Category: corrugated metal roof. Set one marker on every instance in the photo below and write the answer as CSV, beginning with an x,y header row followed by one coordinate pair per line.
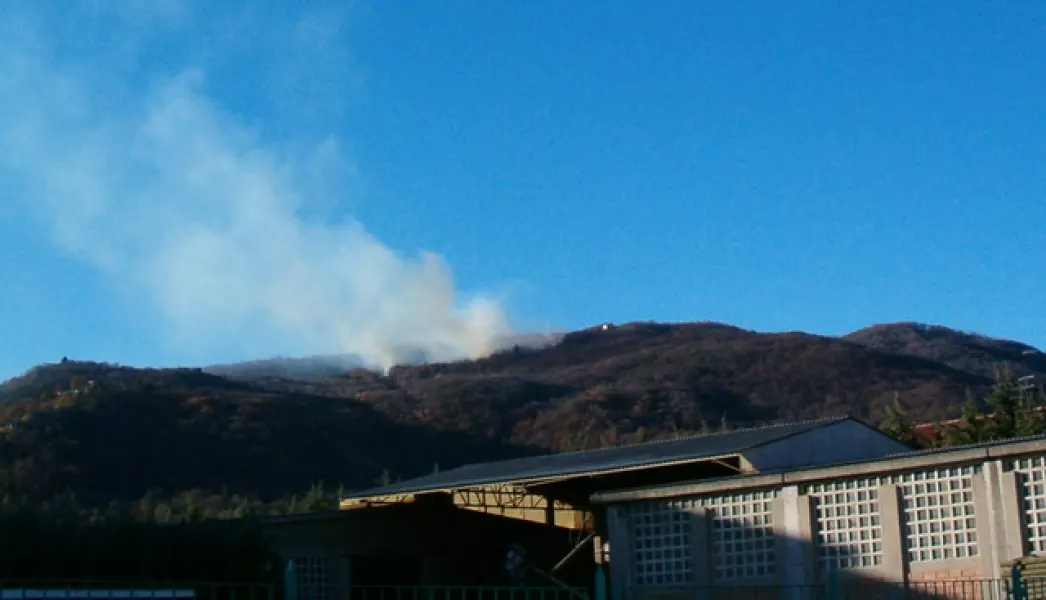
x,y
604,460
810,473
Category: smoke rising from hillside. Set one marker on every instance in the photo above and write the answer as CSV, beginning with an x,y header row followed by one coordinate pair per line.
x,y
138,170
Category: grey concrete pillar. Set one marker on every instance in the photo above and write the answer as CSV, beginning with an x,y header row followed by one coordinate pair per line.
x,y
290,581
809,534
340,577
1014,520
891,518
600,558
795,539
701,552
985,501
619,529
999,510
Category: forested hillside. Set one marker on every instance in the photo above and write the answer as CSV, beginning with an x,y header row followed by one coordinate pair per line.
x,y
99,438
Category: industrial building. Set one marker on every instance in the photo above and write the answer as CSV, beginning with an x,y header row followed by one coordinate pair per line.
x,y
787,506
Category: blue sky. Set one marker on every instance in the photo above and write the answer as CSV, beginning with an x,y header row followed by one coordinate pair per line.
x,y
184,182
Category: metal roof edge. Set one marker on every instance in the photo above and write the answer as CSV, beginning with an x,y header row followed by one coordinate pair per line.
x,y
536,480
817,424
401,489
890,462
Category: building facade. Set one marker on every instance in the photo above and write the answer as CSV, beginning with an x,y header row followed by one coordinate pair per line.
x,y
922,519
794,506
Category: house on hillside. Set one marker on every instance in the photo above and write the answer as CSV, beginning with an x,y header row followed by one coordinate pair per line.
x,y
784,506
926,433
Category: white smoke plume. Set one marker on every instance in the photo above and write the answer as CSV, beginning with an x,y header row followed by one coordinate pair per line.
x,y
145,175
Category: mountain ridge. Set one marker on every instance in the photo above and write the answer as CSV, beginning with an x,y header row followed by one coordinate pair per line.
x,y
112,432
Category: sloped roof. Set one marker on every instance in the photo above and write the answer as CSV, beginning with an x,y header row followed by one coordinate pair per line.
x,y
897,462
601,461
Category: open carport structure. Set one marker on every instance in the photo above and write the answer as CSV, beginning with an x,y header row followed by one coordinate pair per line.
x,y
457,527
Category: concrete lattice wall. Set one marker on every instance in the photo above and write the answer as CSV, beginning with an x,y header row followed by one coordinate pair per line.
x,y
944,522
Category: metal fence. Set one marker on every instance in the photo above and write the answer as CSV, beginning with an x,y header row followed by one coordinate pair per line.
x,y
1033,588
128,590
1020,588
863,589
457,592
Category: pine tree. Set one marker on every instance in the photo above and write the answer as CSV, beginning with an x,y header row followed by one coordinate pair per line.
x,y
315,499
193,513
896,423
1003,403
970,428
938,439
242,510
1031,414
385,478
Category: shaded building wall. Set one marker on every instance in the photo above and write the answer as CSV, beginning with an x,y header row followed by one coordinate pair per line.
x,y
845,441
412,545
938,529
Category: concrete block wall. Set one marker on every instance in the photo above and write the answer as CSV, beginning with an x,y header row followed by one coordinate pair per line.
x,y
943,529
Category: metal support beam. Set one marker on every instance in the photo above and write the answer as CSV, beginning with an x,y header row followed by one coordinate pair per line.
x,y
506,500
584,542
